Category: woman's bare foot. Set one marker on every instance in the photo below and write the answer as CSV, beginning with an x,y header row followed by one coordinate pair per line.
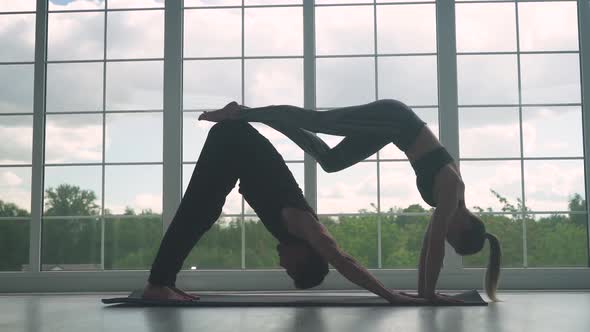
x,y
154,292
229,112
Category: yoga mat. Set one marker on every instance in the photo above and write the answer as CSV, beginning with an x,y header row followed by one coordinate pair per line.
x,y
471,298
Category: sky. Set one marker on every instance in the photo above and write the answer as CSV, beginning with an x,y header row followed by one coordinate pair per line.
x,y
485,132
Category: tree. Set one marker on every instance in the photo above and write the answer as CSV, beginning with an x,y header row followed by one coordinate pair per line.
x,y
70,200
578,204
12,210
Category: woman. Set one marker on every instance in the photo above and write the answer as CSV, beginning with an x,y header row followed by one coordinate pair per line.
x,y
366,129
305,246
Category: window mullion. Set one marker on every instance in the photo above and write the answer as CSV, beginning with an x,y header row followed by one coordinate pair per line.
x,y
309,94
584,37
38,137
172,117
448,113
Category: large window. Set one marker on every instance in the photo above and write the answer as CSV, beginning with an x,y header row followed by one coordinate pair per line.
x,y
520,131
94,93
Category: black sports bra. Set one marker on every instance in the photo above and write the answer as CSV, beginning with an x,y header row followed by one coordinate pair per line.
x,y
426,169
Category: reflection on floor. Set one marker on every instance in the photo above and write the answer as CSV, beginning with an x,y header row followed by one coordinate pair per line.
x,y
519,311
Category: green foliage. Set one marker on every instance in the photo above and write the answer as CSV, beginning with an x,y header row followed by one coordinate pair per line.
x,y
131,240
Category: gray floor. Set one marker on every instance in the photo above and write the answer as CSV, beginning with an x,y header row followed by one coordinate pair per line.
x,y
519,311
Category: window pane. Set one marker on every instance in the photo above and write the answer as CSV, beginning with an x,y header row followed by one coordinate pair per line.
x,y
485,27
289,150
345,81
16,139
552,131
508,229
211,84
75,4
190,3
219,248
398,187
16,89
537,35
134,137
487,79
131,242
71,245
491,132
488,183
401,239
75,36
212,32
17,37
558,240
550,184
406,29
550,78
273,31
298,173
73,138
135,3
344,30
411,79
15,191
72,190
135,34
134,85
14,243
428,115
233,201
272,2
17,5
75,87
268,82
348,191
322,2
356,235
133,188
261,246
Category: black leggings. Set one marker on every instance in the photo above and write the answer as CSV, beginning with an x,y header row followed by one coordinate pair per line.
x,y
233,150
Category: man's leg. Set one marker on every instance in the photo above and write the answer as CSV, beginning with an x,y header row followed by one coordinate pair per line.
x,y
213,178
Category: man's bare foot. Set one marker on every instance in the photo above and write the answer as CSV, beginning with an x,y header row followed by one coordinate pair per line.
x,y
229,112
154,292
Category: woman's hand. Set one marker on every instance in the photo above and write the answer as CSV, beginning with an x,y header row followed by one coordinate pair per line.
x,y
437,298
228,112
402,298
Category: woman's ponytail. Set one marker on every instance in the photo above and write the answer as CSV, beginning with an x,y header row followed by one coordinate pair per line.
x,y
493,269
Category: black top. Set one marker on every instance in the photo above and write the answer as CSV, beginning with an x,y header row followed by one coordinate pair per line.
x,y
426,169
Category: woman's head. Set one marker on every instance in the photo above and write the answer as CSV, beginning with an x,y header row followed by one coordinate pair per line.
x,y
303,264
467,236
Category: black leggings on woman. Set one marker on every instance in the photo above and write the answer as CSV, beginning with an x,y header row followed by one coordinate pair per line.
x,y
367,128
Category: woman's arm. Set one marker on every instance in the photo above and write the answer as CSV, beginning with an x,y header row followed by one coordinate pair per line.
x,y
422,263
447,203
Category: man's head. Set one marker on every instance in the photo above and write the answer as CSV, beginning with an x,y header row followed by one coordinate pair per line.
x,y
303,264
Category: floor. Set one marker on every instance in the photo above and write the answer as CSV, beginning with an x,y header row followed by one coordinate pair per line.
x,y
519,311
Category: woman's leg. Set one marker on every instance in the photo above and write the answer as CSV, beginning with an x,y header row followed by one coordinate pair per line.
x,y
351,150
384,118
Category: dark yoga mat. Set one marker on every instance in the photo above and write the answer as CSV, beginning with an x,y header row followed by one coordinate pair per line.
x,y
471,298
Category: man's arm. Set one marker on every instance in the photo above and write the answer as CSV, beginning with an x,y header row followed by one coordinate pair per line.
x,y
308,228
